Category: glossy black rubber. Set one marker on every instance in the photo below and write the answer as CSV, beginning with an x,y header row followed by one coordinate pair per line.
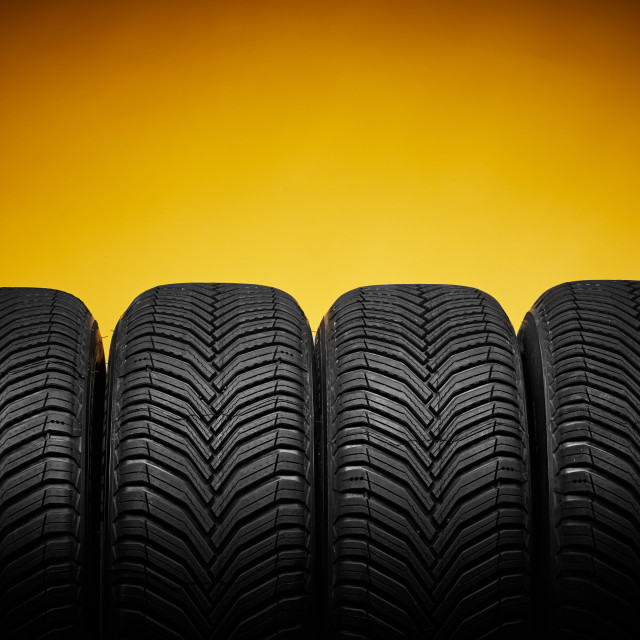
x,y
52,377
209,466
423,467
581,354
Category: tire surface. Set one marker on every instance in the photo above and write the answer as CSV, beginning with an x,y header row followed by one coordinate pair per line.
x,y
209,503
581,352
51,390
422,466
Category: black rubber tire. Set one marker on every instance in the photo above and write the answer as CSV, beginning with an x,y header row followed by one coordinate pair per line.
x,y
581,352
209,503
52,378
422,461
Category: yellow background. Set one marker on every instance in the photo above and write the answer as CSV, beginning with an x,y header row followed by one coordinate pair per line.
x,y
318,146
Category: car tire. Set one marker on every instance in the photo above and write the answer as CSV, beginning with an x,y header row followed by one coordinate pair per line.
x,y
422,466
581,353
209,513
52,377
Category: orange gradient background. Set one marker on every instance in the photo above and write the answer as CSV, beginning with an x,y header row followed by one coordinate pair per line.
x,y
318,146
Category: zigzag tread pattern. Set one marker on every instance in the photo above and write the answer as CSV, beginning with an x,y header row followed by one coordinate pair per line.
x,y
589,337
421,415
50,351
209,484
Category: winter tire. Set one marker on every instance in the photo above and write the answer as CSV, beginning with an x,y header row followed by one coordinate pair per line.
x,y
422,460
581,354
52,378
209,465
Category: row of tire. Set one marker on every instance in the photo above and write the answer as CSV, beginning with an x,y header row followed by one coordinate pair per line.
x,y
419,472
